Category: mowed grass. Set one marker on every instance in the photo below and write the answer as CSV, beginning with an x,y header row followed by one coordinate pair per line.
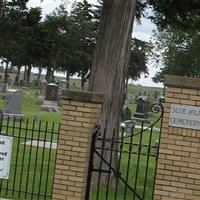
x,y
140,173
32,168
33,159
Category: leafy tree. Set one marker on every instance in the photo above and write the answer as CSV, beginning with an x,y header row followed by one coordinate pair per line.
x,y
176,43
179,52
85,32
176,13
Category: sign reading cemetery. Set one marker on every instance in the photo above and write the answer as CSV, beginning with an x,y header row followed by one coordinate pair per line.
x,y
185,116
5,156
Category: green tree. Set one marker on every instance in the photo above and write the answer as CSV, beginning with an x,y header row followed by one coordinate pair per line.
x,y
176,43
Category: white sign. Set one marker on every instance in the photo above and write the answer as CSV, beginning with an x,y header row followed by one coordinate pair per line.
x,y
5,156
185,116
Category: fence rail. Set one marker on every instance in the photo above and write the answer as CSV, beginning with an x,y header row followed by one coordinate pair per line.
x,y
33,158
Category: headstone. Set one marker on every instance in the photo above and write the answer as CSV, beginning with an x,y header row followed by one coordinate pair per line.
x,y
1,69
37,83
156,145
50,102
13,104
143,106
129,126
4,87
51,92
129,97
62,84
42,93
126,113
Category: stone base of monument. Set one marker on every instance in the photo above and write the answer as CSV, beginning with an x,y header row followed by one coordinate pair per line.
x,y
141,115
50,106
11,116
40,100
141,120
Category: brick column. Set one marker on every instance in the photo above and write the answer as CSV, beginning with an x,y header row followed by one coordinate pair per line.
x,y
81,111
178,172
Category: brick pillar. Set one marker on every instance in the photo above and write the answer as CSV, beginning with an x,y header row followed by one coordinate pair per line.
x,y
178,172
81,111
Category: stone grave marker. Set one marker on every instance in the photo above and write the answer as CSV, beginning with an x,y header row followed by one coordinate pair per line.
x,y
13,104
50,102
128,126
143,106
62,84
42,93
126,114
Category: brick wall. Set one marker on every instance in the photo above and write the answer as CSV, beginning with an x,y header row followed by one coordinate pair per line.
x,y
81,111
178,172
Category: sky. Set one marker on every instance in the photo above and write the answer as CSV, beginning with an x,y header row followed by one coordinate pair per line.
x,y
141,31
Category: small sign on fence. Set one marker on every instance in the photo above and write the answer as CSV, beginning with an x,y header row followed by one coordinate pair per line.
x,y
5,156
185,116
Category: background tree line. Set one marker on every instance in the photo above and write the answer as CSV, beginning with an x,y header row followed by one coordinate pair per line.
x,y
61,42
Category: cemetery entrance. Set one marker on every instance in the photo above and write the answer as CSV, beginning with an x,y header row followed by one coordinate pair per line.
x,y
27,158
124,166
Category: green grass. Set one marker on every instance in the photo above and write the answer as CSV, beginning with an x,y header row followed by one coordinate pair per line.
x,y
31,106
26,171
34,170
141,162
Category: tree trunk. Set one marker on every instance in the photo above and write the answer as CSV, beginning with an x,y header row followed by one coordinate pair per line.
x,y
48,74
18,74
39,74
83,80
67,78
25,75
29,73
6,76
110,65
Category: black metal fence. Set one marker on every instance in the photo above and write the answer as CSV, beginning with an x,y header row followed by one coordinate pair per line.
x,y
32,160
124,167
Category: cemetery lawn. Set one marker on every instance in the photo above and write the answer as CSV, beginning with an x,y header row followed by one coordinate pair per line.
x,y
30,110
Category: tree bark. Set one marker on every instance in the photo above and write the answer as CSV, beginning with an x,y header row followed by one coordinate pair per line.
x,y
110,65
29,73
6,76
68,78
18,74
48,74
25,75
39,74
83,79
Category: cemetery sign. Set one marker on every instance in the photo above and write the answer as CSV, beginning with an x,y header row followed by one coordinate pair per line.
x,y
185,116
5,156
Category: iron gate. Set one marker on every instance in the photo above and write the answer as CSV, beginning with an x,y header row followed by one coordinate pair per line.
x,y
33,158
124,167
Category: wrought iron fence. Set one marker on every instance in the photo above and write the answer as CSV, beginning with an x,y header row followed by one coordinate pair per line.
x,y
124,167
32,160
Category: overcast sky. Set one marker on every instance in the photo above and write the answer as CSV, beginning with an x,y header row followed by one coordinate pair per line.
x,y
143,31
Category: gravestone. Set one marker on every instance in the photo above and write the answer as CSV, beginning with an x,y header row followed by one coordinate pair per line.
x,y
51,92
126,113
4,87
143,106
50,102
42,93
13,104
1,69
129,97
128,126
62,84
